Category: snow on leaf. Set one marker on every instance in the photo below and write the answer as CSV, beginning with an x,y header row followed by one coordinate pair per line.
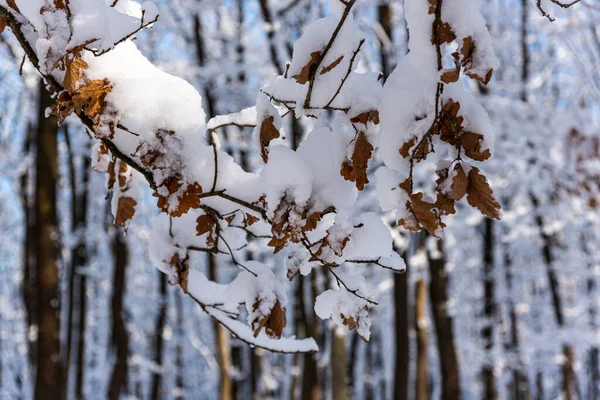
x,y
355,170
272,323
471,143
74,73
89,98
125,210
268,132
304,75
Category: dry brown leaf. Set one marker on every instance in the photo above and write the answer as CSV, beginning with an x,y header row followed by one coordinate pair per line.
x,y
471,143
481,196
446,34
89,98
450,75
188,200
73,73
363,118
356,170
332,65
467,49
423,212
460,182
304,75
250,220
273,323
13,5
485,80
122,176
204,224
182,270
444,205
422,150
404,150
2,25
268,132
125,210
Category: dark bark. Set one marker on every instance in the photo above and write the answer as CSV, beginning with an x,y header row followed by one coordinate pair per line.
x,y
489,306
524,50
119,336
268,19
310,378
29,273
80,368
339,366
200,55
402,359
49,383
569,380
438,293
384,14
161,320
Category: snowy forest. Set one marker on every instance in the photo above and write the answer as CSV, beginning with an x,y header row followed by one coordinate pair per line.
x,y
300,199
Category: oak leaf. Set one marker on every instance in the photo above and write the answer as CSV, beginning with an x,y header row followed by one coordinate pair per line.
x,y
182,269
73,73
204,224
363,118
250,220
459,185
471,143
90,97
304,75
404,150
356,170
272,323
268,132
424,213
450,75
125,210
481,196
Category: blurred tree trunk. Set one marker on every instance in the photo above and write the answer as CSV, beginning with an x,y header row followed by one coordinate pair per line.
x,y
49,383
119,335
161,320
222,339
339,365
569,382
181,339
489,307
79,255
310,378
81,334
438,293
422,334
402,360
29,273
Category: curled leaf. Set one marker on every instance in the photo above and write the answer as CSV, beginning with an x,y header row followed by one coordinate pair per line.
x,y
268,132
481,196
